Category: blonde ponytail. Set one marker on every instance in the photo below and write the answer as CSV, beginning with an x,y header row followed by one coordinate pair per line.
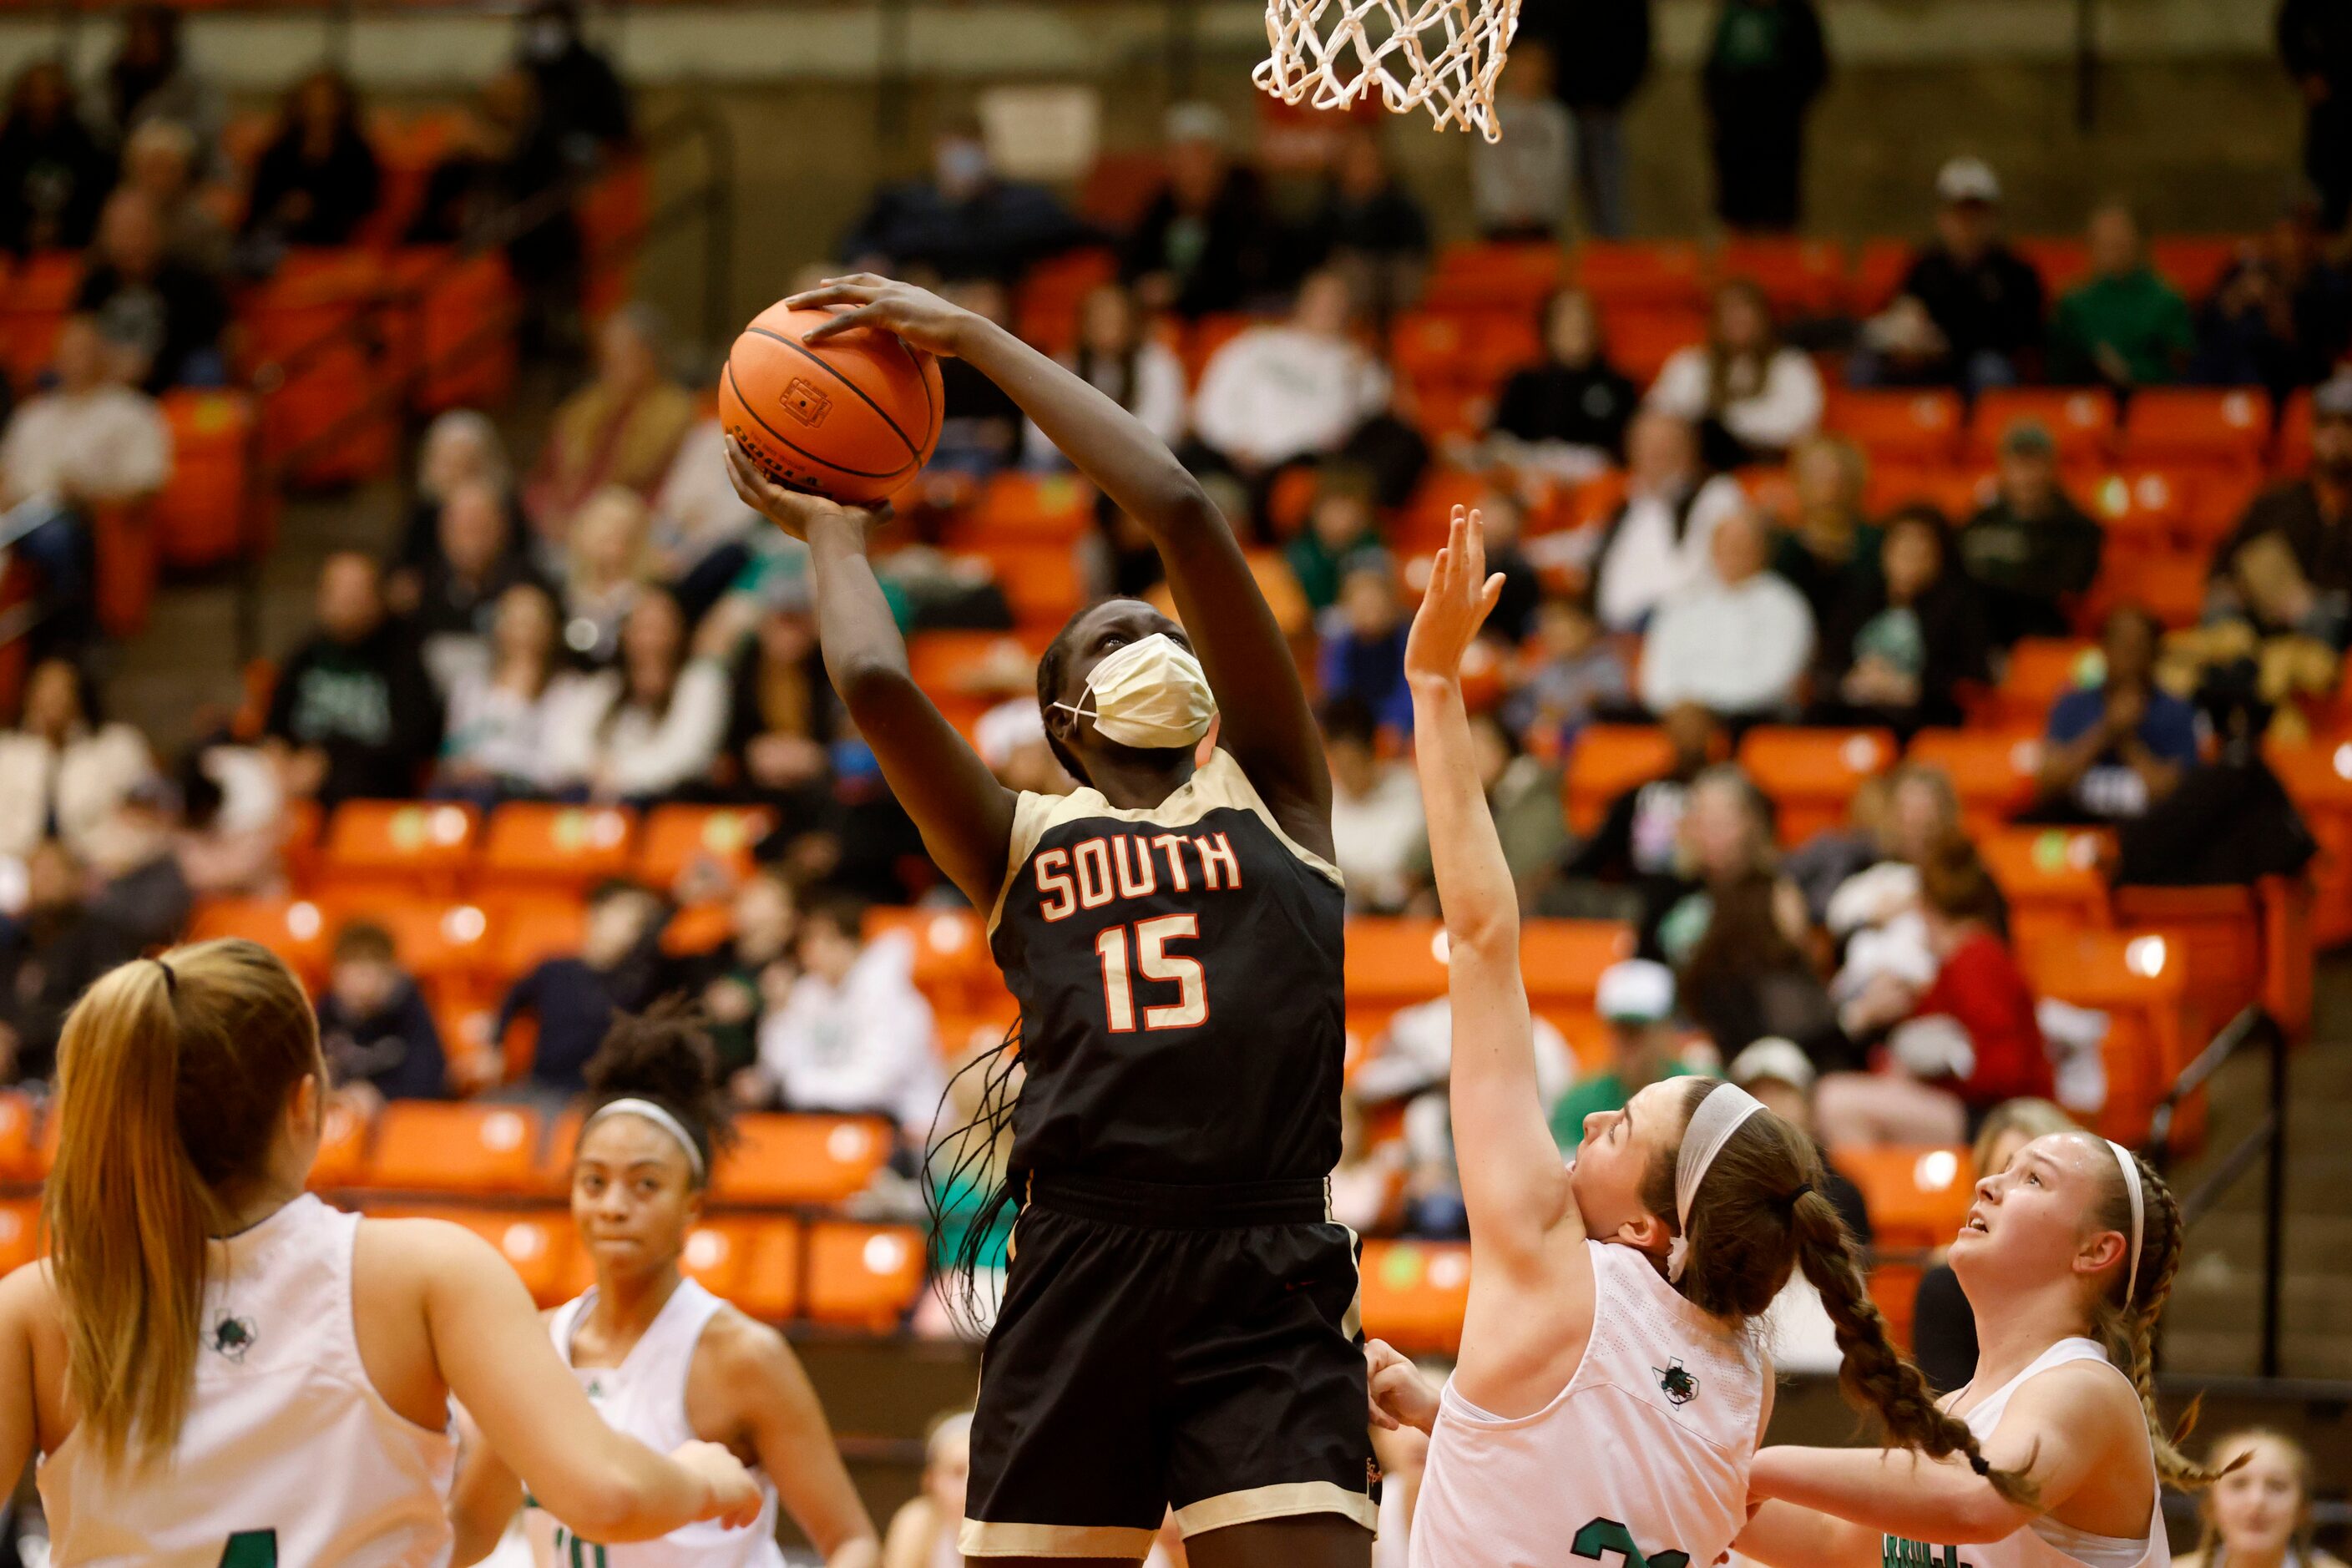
x,y
173,1075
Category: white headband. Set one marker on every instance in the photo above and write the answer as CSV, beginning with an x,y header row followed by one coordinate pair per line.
x,y
659,1117
1722,1113
2140,1215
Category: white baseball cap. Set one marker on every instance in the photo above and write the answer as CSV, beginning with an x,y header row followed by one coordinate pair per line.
x,y
1967,179
1781,1060
1636,991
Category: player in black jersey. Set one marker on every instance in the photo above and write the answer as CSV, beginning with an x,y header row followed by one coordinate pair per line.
x,y
1179,1323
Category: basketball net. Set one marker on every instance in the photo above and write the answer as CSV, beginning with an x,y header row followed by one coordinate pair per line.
x,y
1439,55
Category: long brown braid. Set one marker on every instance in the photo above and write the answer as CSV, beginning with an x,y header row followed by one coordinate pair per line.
x,y
2128,1335
1759,1214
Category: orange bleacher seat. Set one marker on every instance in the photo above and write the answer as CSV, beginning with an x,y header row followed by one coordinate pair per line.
x,y
612,215
2170,586
1414,1292
1643,335
1606,761
2291,453
1951,490
204,515
1655,273
863,1276
20,1233
1040,582
753,1263
1394,961
1562,959
433,1146
541,1243
2053,878
1507,276
330,421
2215,427
1038,509
421,846
791,1159
1811,776
2063,261
342,1145
124,560
1429,515
20,1153
952,965
294,929
2216,933
459,329
2080,420
1801,277
1895,1291
1879,267
1916,426
34,296
2318,776
1432,347
438,943
524,932
1992,773
973,663
2042,669
679,838
2138,979
555,849
1917,1197
2194,263
2142,508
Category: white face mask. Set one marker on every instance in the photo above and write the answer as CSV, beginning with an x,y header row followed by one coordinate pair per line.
x,y
1150,694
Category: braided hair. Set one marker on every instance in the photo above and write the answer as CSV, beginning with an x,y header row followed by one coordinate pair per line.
x,y
2127,1334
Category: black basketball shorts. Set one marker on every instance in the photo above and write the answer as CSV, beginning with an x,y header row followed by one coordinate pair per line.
x,y
1198,1348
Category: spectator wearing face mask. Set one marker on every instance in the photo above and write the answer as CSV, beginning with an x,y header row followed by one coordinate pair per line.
x,y
355,716
964,220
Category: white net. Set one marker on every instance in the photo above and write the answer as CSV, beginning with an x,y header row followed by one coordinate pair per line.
x,y
1439,55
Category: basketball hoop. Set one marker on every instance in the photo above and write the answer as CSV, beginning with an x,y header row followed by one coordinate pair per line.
x,y
1439,55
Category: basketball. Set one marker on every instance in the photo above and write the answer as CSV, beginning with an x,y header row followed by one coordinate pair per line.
x,y
852,417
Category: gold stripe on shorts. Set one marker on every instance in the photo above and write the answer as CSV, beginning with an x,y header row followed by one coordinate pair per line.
x,y
1284,1500
988,1538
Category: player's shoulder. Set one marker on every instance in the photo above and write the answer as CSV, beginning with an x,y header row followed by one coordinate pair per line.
x,y
28,1296
418,1251
2090,1397
735,1345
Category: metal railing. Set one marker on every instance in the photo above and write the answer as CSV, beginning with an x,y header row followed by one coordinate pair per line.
x,y
707,204
2254,1026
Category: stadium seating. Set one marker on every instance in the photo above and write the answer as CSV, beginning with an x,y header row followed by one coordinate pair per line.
x,y
783,1160
1811,776
429,1146
862,1275
1606,761
1414,1293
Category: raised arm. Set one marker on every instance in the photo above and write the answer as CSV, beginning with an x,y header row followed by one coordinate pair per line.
x,y
1264,721
965,815
1513,1184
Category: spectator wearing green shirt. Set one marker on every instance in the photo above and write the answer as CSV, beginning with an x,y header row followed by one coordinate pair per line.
x,y
1341,526
2125,326
1636,1000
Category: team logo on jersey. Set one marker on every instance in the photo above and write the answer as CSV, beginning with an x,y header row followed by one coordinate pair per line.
x,y
231,1336
595,1388
1679,1386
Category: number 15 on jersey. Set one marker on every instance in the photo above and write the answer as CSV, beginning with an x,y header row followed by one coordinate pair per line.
x,y
1141,952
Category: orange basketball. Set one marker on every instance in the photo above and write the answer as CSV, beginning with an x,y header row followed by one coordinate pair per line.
x,y
852,417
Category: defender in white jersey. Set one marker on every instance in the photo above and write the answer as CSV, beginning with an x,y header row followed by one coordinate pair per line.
x,y
219,1369
660,1357
2066,1258
1611,1388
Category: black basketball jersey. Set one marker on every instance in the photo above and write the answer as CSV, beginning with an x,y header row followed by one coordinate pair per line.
x,y
1179,973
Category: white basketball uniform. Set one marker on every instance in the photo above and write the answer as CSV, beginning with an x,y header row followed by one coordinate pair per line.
x,y
289,1455
645,1397
2044,1543
1643,1458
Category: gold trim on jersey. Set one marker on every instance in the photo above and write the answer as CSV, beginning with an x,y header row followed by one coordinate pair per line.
x,y
1285,1500
987,1538
1218,785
